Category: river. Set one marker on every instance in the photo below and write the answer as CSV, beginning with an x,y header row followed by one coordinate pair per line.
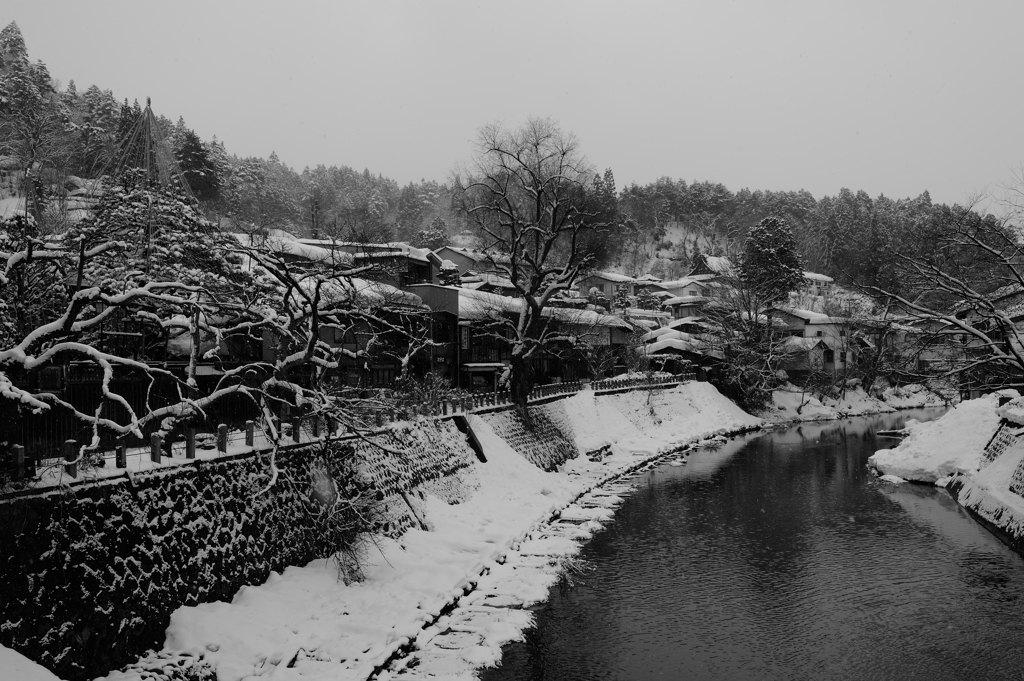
x,y
779,556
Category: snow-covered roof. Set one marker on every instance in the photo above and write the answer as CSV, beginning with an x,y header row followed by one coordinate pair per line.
x,y
666,332
365,292
682,300
483,305
685,320
279,241
814,276
648,277
614,276
475,280
474,255
719,264
686,281
644,313
809,316
680,344
388,249
795,344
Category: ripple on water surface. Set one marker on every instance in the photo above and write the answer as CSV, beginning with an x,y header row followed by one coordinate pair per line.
x,y
779,557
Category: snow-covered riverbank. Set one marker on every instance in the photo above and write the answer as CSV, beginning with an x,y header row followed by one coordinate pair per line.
x,y
792,404
935,450
977,451
307,623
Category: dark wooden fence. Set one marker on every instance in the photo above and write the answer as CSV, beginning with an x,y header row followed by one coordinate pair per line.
x,y
58,440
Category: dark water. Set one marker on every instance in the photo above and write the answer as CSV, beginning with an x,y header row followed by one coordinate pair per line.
x,y
780,557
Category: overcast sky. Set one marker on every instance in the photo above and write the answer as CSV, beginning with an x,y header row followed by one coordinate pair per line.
x,y
889,97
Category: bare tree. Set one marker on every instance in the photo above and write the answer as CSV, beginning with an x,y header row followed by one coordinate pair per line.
x,y
965,296
276,332
526,193
744,343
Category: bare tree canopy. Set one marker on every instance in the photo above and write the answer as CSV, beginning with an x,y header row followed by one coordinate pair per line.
x,y
965,293
527,193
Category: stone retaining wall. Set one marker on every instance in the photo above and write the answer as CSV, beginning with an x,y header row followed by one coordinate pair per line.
x,y
89,575
545,446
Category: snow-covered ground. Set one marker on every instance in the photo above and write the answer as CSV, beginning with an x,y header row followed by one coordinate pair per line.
x,y
937,449
306,623
791,403
16,667
955,445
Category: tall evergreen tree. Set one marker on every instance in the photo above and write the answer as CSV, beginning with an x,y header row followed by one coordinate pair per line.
x,y
771,265
196,165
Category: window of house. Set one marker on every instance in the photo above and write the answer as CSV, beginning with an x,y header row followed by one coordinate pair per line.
x,y
829,356
818,334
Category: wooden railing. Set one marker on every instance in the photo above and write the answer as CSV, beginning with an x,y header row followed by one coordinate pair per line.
x,y
299,429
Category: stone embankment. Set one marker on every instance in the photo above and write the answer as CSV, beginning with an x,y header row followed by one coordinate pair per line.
x,y
224,575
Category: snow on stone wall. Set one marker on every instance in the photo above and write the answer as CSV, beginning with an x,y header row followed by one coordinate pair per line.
x,y
90,575
1017,480
429,454
1003,438
545,446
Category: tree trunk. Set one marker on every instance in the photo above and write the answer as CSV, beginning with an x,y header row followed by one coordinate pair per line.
x,y
521,384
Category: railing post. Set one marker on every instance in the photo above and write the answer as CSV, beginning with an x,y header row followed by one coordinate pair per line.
x,y
19,462
154,447
296,429
316,427
70,454
444,407
190,443
250,433
331,427
121,455
378,418
222,438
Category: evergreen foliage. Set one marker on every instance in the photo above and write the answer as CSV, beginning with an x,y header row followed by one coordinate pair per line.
x,y
645,300
771,264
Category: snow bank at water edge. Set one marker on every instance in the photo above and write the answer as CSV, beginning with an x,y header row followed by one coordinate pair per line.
x,y
940,448
16,667
791,403
307,623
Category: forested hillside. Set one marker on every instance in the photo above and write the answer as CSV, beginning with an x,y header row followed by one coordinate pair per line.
x,y
53,136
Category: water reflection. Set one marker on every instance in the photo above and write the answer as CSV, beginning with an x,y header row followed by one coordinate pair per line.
x,y
778,556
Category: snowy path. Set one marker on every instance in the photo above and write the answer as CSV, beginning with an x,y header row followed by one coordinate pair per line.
x,y
492,553
494,614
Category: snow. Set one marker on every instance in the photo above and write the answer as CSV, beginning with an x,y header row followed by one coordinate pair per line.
x,y
1013,410
16,667
937,449
790,403
993,481
11,206
485,305
305,623
912,396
